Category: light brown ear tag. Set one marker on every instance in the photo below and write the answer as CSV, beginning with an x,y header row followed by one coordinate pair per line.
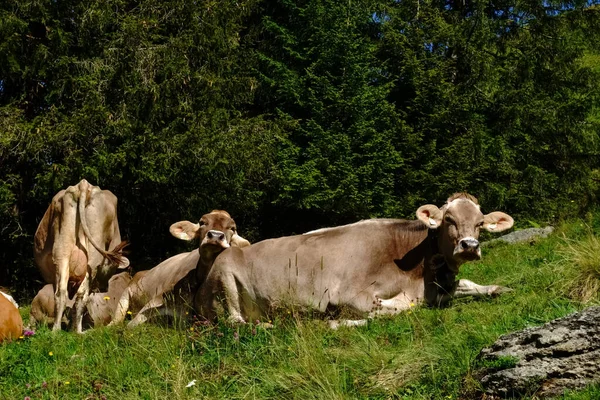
x,y
492,226
432,222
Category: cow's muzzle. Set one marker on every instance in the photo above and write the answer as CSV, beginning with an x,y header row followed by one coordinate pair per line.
x,y
468,248
216,238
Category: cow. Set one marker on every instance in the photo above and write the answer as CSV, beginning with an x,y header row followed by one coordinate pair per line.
x,y
169,287
376,266
11,324
77,246
99,308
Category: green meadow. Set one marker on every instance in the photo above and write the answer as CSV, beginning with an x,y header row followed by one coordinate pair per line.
x,y
425,353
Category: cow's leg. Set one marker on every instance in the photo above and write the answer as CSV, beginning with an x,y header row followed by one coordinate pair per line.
x,y
232,299
122,308
468,288
142,316
81,298
216,291
60,293
64,243
335,323
379,306
392,306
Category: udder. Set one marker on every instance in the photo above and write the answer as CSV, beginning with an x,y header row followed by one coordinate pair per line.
x,y
77,265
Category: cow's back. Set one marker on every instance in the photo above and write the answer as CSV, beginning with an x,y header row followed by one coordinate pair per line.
x,y
11,324
327,267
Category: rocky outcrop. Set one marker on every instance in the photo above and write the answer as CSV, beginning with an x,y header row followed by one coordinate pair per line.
x,y
546,360
524,235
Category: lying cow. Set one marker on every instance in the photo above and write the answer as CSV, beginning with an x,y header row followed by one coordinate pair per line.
x,y
11,324
180,275
78,245
100,307
369,267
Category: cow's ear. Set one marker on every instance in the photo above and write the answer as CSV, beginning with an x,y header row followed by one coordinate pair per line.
x,y
497,221
430,215
238,241
124,263
184,230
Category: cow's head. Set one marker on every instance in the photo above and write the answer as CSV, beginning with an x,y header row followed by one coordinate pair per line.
x,y
458,223
216,231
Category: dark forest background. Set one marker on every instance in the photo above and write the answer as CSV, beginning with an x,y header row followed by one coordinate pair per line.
x,y
293,115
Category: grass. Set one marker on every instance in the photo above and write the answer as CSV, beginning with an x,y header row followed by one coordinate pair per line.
x,y
424,353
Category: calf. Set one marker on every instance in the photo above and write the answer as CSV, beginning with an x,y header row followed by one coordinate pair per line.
x,y
369,267
180,275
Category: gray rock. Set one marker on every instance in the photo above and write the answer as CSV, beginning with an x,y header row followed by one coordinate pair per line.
x,y
524,235
546,360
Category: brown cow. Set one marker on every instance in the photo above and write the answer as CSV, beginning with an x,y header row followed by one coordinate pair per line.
x,y
11,324
369,267
78,245
180,275
100,307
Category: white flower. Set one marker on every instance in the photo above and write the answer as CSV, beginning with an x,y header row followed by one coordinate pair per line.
x,y
192,383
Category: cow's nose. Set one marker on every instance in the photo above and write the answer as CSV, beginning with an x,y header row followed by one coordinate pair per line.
x,y
469,244
216,235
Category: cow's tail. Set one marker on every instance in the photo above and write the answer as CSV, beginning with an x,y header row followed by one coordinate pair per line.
x,y
115,256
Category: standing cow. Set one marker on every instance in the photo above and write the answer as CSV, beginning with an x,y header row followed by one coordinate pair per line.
x,y
78,244
179,276
369,267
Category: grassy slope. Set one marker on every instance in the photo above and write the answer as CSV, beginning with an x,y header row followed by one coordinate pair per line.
x,y
422,354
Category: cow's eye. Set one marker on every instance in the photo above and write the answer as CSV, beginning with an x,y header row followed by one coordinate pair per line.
x,y
479,225
233,229
202,223
449,220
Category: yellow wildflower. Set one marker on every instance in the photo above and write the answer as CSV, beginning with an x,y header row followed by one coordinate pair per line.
x,y
50,353
67,382
106,298
129,312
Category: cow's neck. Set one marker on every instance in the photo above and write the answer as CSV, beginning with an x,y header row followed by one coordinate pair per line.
x,y
207,258
439,276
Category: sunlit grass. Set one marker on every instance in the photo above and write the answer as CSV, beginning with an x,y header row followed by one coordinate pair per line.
x,y
582,257
425,353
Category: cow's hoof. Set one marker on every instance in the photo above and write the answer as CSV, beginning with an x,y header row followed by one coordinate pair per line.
x,y
236,320
498,290
333,324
